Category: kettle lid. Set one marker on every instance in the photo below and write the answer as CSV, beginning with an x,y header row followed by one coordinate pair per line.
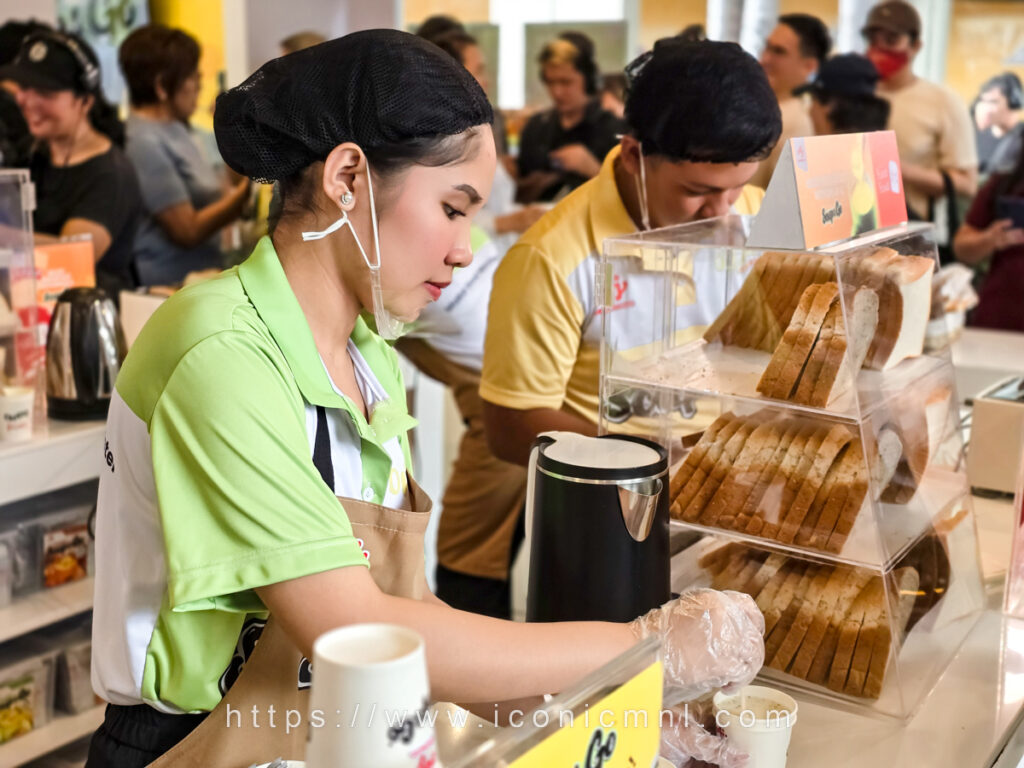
x,y
609,457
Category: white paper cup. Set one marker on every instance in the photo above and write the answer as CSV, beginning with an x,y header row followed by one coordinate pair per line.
x,y
370,697
758,720
16,413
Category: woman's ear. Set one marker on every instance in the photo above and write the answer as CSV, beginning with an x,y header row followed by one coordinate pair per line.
x,y
630,154
341,167
158,88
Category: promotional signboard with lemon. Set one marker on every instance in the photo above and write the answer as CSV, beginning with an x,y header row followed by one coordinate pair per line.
x,y
830,188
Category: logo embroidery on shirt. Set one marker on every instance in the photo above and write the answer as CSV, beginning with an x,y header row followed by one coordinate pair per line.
x,y
108,455
362,546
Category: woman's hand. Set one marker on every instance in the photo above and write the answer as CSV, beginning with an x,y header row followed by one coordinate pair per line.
x,y
685,739
972,245
709,640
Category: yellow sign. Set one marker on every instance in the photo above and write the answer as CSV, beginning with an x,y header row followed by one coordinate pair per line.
x,y
620,731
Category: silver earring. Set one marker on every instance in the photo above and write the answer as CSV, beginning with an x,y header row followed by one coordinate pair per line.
x,y
346,199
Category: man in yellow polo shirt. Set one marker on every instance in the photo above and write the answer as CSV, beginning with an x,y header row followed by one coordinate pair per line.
x,y
701,116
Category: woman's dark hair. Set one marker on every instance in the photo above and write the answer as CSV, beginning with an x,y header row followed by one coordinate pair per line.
x,y
856,114
297,192
102,114
440,24
104,118
615,84
455,43
155,53
706,102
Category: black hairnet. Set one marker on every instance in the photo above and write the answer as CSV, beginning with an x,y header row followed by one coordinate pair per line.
x,y
373,88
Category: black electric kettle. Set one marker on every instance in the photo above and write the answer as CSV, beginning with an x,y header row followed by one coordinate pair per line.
x,y
597,516
84,350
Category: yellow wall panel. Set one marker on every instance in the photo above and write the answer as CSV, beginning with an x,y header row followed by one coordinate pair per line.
x,y
664,18
982,36
204,20
826,10
467,11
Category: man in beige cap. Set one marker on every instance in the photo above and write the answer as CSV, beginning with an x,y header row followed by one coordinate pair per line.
x,y
932,125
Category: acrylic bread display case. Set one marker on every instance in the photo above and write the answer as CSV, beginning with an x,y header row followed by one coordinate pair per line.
x,y
815,445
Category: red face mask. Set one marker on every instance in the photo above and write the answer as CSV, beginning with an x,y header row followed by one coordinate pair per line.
x,y
888,63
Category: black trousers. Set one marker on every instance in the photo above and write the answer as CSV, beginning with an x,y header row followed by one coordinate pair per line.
x,y
133,737
476,594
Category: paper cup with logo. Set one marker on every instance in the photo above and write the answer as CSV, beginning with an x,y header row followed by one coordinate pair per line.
x,y
758,720
16,413
369,701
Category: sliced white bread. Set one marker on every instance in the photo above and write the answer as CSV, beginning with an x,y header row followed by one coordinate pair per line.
x,y
766,384
827,295
730,452
793,481
802,621
768,471
819,355
822,614
905,306
847,351
741,476
705,466
821,460
769,508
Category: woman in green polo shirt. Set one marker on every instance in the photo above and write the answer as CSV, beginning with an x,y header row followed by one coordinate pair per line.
x,y
250,403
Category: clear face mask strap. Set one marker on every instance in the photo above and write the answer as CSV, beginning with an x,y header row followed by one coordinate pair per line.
x,y
388,326
641,188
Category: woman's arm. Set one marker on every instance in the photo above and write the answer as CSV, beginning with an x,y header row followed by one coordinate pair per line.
x,y
470,658
100,235
187,227
972,245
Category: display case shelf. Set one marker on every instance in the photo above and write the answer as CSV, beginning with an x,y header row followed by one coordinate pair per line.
x,y
701,369
813,442
62,730
44,608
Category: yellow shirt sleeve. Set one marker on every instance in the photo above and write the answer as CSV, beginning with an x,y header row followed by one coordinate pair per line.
x,y
534,330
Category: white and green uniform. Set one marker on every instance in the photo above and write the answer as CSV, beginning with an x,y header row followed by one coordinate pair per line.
x,y
209,489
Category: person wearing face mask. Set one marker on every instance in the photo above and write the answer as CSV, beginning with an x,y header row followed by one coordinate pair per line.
x,y
700,117
258,491
562,147
84,183
996,112
932,125
793,53
186,203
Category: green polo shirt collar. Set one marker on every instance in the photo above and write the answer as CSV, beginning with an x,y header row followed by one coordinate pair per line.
x,y
265,282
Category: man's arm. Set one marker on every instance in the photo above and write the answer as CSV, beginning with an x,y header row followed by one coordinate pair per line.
x,y
929,180
511,432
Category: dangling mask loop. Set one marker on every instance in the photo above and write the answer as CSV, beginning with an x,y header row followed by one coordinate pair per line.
x,y
641,188
388,326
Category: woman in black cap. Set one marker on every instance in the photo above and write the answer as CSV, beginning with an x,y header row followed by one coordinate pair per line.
x,y
251,403
84,183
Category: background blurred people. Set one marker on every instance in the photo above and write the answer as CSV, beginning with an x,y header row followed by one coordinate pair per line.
x,y
562,147
613,94
15,139
989,237
687,154
300,41
185,202
84,183
932,125
844,98
794,51
998,131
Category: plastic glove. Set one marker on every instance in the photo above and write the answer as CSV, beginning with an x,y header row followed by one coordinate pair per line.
x,y
709,640
685,739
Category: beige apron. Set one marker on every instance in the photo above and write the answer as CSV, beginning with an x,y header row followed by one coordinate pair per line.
x,y
393,539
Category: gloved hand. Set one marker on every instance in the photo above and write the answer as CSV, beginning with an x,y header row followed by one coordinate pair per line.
x,y
709,640
685,739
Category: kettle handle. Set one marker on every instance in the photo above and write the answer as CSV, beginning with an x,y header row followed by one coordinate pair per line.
x,y
531,474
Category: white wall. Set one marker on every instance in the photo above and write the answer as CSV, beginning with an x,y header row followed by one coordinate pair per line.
x,y
40,10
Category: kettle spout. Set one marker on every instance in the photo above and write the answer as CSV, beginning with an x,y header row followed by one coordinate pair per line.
x,y
639,502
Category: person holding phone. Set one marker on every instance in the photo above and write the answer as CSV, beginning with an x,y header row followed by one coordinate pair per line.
x,y
994,232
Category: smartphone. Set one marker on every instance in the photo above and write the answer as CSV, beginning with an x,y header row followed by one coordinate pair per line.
x,y
1011,208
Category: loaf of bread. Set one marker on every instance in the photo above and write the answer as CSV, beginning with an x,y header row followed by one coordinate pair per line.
x,y
774,476
829,625
885,330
